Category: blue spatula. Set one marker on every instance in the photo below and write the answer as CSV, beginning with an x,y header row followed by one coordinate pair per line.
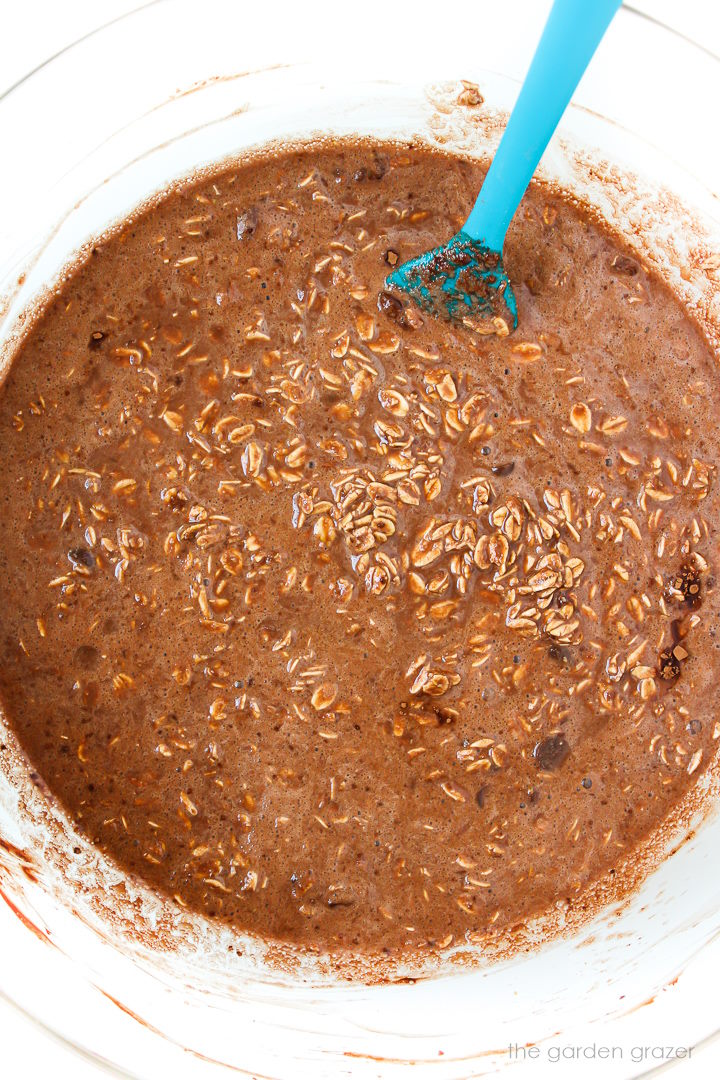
x,y
465,278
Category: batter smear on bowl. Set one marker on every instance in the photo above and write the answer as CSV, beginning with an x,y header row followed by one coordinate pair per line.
x,y
359,629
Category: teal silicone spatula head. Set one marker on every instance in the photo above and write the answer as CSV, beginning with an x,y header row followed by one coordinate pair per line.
x,y
465,278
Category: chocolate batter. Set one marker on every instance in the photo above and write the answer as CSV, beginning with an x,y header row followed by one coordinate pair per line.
x,y
352,627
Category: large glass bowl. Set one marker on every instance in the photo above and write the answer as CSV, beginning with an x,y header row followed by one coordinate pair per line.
x,y
167,90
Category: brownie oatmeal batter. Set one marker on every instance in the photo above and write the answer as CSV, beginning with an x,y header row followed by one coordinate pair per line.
x,y
352,627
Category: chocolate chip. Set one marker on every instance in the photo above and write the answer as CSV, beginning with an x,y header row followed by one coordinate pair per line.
x,y
390,305
376,171
687,583
503,470
621,264
81,557
394,308
559,653
480,796
87,656
694,727
668,665
379,167
551,752
96,338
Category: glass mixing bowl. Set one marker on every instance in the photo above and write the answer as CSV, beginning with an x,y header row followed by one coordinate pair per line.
x,y
98,960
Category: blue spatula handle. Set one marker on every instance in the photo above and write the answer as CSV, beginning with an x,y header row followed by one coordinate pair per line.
x,y
571,35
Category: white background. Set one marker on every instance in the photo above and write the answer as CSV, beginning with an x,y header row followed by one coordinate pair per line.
x,y
31,32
